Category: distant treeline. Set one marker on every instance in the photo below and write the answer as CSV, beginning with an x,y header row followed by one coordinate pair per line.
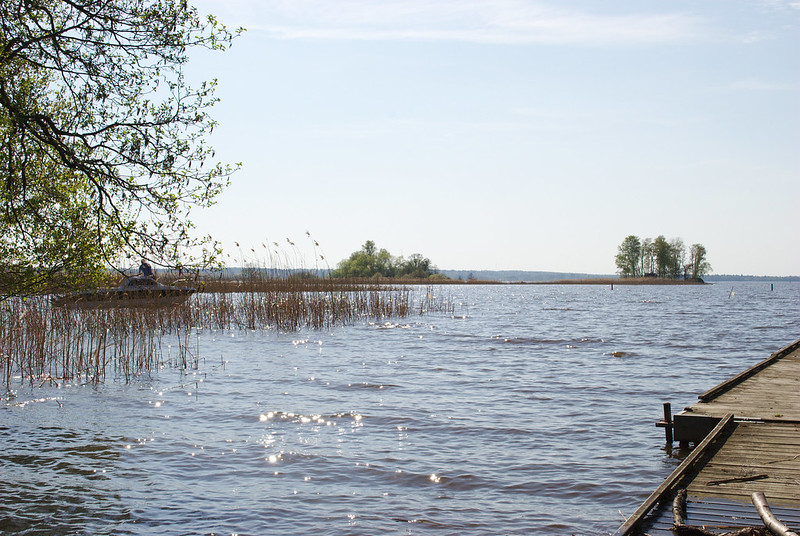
x,y
513,276
728,277
516,276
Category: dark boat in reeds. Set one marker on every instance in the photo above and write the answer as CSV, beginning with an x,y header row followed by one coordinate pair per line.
x,y
133,292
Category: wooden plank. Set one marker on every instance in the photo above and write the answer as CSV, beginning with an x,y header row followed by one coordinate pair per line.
x,y
769,451
741,465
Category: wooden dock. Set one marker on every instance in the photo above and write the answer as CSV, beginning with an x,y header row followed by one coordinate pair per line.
x,y
747,436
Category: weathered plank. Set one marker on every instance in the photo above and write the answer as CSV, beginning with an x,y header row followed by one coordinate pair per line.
x,y
739,458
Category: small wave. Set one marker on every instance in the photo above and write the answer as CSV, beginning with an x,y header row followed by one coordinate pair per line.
x,y
461,527
568,489
462,482
305,342
289,457
428,522
527,340
390,325
368,385
592,340
56,399
570,343
330,419
539,397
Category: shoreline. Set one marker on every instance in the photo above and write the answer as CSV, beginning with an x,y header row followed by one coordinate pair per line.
x,y
588,281
621,281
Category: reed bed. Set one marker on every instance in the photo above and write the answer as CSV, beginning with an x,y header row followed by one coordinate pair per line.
x,y
40,343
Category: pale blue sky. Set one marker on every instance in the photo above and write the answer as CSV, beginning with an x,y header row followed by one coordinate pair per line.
x,y
510,134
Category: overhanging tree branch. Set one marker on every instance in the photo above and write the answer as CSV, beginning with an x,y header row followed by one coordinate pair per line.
x,y
93,90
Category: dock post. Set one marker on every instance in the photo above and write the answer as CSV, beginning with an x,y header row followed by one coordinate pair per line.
x,y
668,420
666,424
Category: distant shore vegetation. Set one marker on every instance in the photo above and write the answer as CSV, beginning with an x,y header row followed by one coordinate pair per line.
x,y
661,258
370,262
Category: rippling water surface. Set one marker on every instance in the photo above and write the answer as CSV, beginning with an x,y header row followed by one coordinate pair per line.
x,y
530,410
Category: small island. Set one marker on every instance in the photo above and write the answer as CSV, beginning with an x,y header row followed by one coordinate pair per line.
x,y
661,259
370,262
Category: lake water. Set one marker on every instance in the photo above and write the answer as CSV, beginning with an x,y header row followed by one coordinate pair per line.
x,y
531,410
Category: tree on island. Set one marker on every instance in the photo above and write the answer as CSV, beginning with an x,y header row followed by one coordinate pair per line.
x,y
661,258
628,256
697,261
102,151
371,262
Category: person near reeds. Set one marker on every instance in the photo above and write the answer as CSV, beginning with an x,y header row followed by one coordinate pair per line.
x,y
146,270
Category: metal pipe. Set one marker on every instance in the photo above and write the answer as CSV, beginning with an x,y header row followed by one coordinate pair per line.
x,y
770,521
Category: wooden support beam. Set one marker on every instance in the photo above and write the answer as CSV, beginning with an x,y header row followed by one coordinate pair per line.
x,y
666,424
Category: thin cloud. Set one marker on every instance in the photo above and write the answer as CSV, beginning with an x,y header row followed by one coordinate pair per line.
x,y
477,21
781,4
752,84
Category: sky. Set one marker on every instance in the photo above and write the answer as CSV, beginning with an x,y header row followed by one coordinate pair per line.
x,y
507,134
